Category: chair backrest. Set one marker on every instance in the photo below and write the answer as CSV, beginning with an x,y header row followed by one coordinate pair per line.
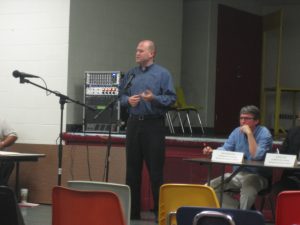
x,y
288,208
180,101
173,196
9,209
76,207
218,216
122,190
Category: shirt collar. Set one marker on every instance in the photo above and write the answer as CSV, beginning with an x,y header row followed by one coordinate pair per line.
x,y
145,69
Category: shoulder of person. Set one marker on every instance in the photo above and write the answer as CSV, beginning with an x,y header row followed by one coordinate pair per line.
x,y
263,132
237,129
160,67
133,70
263,128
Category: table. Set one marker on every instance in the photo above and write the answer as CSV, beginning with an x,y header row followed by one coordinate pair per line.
x,y
246,163
17,158
177,148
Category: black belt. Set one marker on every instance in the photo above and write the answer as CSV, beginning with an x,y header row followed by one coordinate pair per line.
x,y
145,117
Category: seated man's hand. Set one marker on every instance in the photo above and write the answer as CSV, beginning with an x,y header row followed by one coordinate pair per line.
x,y
246,129
207,150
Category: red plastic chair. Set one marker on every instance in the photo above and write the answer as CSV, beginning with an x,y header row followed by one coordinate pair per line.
x,y
288,208
75,207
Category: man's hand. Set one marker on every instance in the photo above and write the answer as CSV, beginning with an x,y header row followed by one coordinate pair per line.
x,y
2,145
246,129
134,100
207,150
251,140
147,95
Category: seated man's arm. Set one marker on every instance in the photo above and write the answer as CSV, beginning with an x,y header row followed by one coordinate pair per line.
x,y
8,141
264,143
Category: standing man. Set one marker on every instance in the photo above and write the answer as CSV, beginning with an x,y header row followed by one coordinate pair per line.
x,y
150,92
254,141
8,136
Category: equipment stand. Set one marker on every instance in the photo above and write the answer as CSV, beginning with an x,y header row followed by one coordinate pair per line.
x,y
111,107
62,100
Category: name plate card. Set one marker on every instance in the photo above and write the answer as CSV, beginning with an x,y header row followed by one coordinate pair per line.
x,y
227,156
280,160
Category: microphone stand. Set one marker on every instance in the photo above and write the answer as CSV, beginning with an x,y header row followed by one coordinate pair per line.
x,y
62,100
110,106
109,141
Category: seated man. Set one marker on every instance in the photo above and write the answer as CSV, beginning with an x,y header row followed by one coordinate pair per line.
x,y
290,179
8,136
254,141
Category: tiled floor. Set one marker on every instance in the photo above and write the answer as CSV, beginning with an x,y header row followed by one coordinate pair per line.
x,y
41,215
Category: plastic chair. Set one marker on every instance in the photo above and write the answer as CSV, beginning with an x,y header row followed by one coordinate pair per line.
x,y
10,213
182,106
288,208
173,196
77,207
122,190
218,216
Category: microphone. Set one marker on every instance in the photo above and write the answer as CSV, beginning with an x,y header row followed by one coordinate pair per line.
x,y
18,74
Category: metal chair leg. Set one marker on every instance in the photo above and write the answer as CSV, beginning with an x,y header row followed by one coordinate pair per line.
x,y
180,121
198,115
170,123
189,122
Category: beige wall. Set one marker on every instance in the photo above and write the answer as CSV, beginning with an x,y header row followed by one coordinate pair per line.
x,y
34,38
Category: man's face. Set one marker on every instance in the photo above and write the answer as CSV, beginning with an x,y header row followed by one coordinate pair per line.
x,y
248,119
143,55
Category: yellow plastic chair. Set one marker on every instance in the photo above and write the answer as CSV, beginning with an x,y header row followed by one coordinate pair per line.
x,y
173,196
182,106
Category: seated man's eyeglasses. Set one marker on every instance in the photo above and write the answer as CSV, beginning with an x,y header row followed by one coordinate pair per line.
x,y
246,118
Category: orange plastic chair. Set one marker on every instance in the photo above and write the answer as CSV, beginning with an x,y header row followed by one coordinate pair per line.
x,y
75,207
173,196
288,208
122,191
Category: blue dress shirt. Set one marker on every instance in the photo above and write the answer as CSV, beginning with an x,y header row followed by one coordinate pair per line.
x,y
237,142
155,78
